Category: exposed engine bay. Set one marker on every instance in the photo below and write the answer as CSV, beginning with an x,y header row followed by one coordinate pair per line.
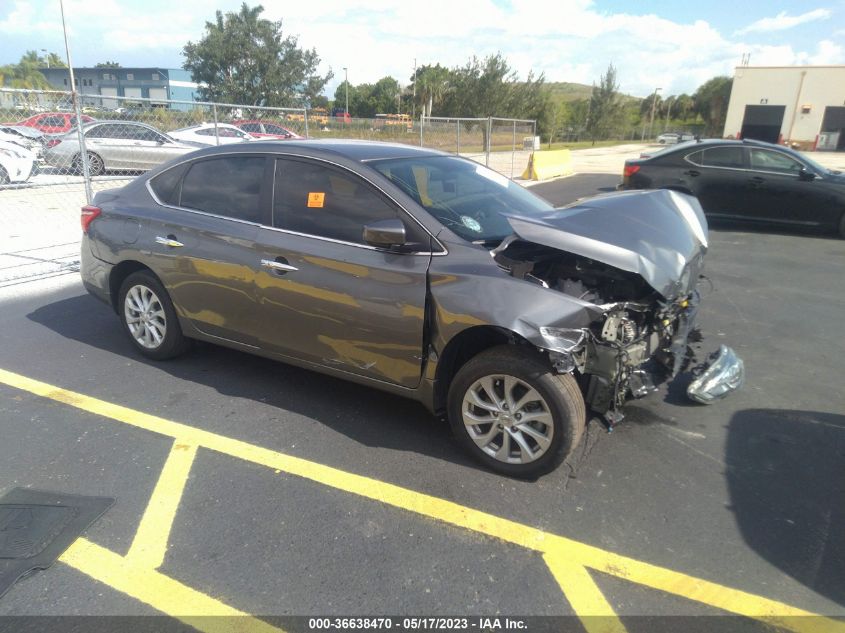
x,y
640,337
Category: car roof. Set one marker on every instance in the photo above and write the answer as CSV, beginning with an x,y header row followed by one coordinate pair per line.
x,y
360,151
695,146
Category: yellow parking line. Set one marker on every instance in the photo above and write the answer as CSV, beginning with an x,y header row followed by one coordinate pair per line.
x,y
586,599
150,543
160,592
630,569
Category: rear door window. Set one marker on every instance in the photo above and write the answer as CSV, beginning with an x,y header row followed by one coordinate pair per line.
x,y
723,157
229,186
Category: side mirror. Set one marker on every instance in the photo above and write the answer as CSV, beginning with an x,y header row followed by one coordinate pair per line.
x,y
385,233
806,174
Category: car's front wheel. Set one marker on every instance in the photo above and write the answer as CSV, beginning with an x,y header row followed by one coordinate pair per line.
x,y
149,317
513,413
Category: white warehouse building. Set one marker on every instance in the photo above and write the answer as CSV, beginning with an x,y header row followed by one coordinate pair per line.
x,y
804,105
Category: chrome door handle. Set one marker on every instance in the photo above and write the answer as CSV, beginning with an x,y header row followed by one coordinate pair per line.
x,y
269,263
168,241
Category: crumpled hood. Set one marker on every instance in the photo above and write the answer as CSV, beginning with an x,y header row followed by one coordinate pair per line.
x,y
659,234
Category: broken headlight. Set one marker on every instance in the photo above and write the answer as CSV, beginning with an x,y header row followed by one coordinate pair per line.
x,y
725,374
561,339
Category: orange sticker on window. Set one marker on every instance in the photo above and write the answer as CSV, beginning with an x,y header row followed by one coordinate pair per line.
x,y
316,199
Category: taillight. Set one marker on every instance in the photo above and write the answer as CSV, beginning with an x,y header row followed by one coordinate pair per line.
x,y
53,142
89,213
630,170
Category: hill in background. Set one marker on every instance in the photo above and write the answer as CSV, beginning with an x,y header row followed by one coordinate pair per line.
x,y
564,91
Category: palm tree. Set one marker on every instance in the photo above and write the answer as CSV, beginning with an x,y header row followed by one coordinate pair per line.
x,y
432,84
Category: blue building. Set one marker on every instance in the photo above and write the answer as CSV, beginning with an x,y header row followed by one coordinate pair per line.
x,y
160,85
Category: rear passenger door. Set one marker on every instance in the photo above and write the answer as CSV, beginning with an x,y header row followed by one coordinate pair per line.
x,y
718,176
202,241
327,297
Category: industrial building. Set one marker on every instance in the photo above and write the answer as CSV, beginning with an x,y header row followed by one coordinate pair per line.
x,y
798,105
157,84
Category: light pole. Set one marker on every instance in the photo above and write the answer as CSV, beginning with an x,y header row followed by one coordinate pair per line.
x,y
653,103
414,96
346,85
46,57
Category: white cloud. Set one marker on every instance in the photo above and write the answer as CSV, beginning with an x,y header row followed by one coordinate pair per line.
x,y
783,21
568,40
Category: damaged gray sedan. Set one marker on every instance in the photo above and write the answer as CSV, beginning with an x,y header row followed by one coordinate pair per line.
x,y
415,272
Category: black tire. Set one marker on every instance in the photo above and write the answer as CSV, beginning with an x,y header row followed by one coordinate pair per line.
x,y
559,393
4,177
95,164
173,342
842,226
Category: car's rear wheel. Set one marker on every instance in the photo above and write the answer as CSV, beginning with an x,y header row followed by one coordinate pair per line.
x,y
95,164
514,414
149,317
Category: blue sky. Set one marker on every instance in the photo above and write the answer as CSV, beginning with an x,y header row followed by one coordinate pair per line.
x,y
672,45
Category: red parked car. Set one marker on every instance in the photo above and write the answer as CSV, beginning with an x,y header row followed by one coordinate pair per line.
x,y
53,122
265,129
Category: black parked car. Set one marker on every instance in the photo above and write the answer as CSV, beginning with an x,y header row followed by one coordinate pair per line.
x,y
747,180
416,272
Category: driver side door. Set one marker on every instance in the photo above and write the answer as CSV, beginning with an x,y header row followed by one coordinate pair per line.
x,y
327,297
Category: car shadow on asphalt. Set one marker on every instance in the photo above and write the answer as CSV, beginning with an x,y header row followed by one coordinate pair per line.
x,y
786,479
367,416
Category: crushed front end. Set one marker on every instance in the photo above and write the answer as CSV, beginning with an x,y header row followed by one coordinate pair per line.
x,y
636,260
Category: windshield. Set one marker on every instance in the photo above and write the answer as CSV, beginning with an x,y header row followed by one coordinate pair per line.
x,y
466,197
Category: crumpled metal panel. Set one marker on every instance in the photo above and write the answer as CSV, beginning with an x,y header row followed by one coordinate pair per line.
x,y
659,234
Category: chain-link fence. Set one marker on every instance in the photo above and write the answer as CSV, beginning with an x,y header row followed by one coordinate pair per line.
x,y
501,144
50,167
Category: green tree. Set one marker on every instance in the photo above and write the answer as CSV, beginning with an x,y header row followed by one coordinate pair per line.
x,y
683,106
54,61
108,65
711,102
341,92
432,82
244,58
607,109
25,74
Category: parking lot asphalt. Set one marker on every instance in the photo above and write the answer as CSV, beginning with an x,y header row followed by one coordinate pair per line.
x,y
246,486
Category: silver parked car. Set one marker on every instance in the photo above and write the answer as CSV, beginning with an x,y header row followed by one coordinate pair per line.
x,y
416,272
115,145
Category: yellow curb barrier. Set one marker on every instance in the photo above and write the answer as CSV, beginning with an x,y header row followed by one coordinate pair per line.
x,y
548,164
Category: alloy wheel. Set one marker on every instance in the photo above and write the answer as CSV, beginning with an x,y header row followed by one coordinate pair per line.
x,y
145,318
508,419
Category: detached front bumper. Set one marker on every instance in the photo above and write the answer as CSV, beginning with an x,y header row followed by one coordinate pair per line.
x,y
725,374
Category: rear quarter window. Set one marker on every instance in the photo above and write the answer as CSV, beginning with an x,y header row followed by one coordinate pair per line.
x,y
166,185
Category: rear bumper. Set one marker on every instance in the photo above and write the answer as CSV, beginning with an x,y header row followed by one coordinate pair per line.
x,y
95,273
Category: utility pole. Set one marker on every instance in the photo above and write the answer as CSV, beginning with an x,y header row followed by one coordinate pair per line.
x,y
80,137
653,103
414,96
46,57
346,85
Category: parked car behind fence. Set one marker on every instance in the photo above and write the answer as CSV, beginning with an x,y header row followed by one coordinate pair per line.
x,y
115,145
